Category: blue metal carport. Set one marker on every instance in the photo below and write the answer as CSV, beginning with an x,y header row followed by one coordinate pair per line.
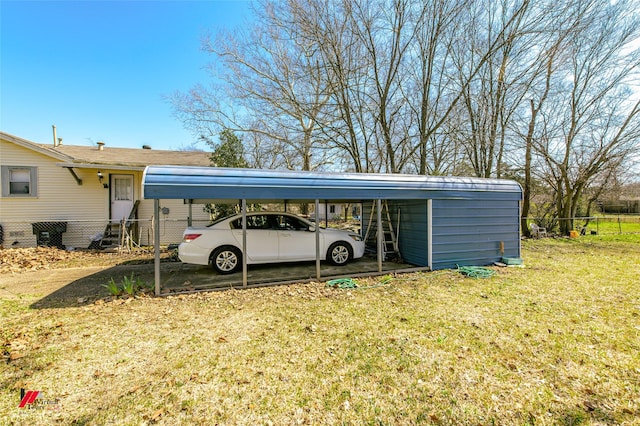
x,y
447,220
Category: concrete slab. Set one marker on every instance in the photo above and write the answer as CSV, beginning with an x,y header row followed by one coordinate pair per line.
x,y
181,277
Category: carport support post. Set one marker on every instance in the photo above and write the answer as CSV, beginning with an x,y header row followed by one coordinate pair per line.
x,y
244,242
380,249
317,240
156,245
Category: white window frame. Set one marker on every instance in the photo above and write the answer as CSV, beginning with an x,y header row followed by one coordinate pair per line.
x,y
5,176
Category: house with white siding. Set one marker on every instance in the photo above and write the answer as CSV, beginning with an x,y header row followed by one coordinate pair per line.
x,y
83,192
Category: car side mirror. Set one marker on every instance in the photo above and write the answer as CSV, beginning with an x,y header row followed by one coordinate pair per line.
x,y
311,228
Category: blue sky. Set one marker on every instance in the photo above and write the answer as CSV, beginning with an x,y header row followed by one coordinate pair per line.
x,y
98,70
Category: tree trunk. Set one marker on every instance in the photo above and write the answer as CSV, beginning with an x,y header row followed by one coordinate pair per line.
x,y
526,190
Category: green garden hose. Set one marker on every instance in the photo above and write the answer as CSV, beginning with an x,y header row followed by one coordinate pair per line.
x,y
350,283
343,283
476,271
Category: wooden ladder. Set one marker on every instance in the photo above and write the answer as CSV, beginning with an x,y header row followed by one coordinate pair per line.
x,y
390,248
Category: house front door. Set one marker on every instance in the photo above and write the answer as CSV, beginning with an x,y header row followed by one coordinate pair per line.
x,y
121,196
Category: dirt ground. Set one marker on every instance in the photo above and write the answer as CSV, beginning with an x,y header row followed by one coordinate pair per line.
x,y
67,277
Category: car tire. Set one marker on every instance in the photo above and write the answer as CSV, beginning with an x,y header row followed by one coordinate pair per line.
x,y
226,260
339,253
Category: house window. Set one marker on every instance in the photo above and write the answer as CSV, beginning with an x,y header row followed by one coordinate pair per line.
x,y
19,181
123,188
332,208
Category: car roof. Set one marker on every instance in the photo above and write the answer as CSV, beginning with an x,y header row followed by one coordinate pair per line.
x,y
239,215
264,212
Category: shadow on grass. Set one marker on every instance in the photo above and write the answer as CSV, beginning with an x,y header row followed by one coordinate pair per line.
x,y
176,277
90,288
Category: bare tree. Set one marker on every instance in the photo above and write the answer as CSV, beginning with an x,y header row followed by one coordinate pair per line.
x,y
389,67
430,84
494,82
271,86
441,86
344,123
558,27
386,33
593,123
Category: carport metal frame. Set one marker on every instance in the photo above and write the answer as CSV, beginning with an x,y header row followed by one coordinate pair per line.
x,y
211,184
379,243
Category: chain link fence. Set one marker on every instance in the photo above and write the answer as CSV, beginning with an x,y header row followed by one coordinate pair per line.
x,y
91,234
595,225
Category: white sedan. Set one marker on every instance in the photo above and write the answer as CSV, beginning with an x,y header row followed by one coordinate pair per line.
x,y
271,237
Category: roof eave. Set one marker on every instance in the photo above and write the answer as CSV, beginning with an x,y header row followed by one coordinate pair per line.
x,y
34,147
100,166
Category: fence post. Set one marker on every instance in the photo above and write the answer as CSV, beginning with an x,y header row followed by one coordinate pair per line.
x,y
122,234
619,225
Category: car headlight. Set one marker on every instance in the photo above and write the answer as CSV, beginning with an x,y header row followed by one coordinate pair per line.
x,y
356,237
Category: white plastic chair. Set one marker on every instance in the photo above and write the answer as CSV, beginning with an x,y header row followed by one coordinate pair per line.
x,y
538,231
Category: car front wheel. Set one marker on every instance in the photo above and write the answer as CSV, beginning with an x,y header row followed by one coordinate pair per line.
x,y
339,253
226,260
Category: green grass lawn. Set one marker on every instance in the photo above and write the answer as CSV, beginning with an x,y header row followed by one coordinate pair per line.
x,y
555,342
604,225
615,225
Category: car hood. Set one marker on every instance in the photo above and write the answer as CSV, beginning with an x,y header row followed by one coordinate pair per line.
x,y
334,231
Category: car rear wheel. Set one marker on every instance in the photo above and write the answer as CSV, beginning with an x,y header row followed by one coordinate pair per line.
x,y
339,253
226,260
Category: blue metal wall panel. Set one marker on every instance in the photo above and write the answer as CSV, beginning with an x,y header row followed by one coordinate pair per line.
x,y
469,232
413,235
